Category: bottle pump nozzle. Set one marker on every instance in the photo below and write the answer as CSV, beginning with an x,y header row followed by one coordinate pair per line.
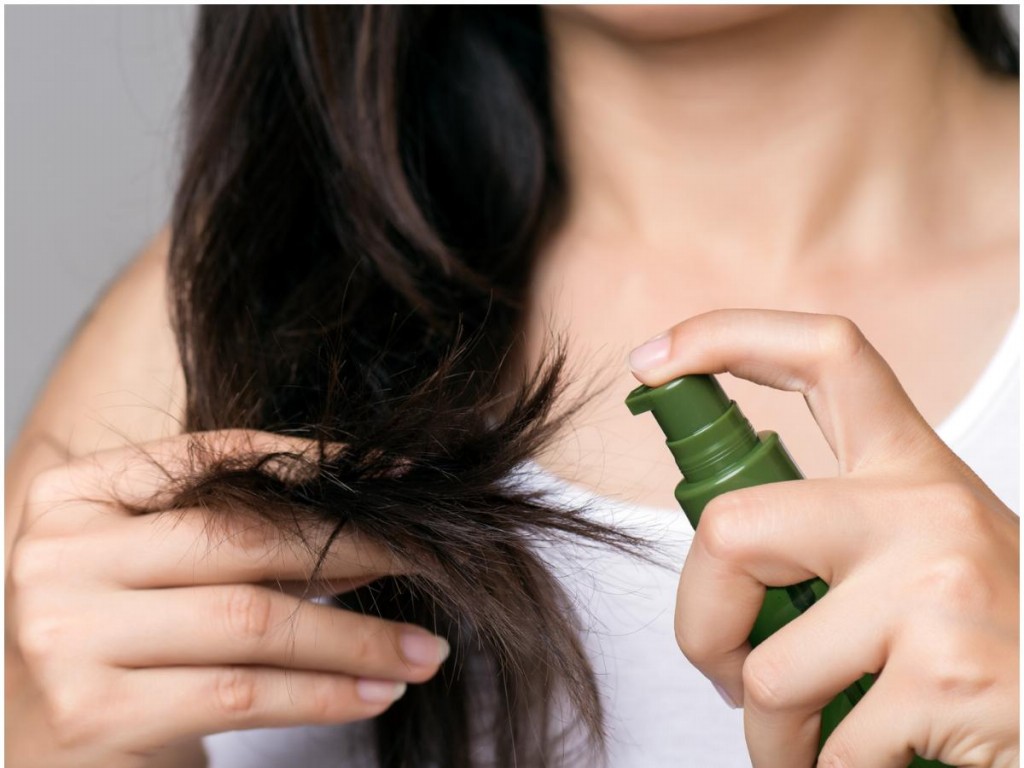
x,y
682,407
704,429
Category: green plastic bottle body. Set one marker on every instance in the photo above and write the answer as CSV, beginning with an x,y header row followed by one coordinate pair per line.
x,y
770,462
718,452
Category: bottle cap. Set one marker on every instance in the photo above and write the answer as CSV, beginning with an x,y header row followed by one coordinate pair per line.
x,y
683,406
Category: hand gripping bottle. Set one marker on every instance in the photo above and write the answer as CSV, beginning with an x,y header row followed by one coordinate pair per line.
x,y
718,451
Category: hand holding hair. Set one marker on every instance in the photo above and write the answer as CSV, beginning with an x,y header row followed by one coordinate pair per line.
x,y
140,630
921,558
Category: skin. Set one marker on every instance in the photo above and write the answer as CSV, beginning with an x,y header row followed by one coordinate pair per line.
x,y
835,161
830,160
871,176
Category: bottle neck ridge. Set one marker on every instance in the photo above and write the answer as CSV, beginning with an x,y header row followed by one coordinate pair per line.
x,y
716,447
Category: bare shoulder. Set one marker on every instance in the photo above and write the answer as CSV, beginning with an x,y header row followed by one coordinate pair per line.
x,y
120,378
118,381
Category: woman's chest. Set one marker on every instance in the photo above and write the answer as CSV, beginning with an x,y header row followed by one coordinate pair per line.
x,y
938,328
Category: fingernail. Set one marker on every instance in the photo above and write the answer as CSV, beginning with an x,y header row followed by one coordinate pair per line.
x,y
379,691
424,650
651,353
725,696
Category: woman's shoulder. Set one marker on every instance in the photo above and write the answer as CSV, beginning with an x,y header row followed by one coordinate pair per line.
x,y
119,380
123,365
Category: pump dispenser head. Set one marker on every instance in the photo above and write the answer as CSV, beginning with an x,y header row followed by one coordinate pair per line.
x,y
682,407
705,430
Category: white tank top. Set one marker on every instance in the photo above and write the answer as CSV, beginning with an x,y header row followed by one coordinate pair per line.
x,y
661,711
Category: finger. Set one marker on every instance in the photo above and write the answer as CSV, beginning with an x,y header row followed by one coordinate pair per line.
x,y
141,474
321,588
190,547
776,534
790,677
875,732
854,395
797,529
166,703
247,624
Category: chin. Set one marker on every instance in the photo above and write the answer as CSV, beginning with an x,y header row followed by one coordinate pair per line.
x,y
654,23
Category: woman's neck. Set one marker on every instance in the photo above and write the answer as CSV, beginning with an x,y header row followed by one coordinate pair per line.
x,y
812,132
852,160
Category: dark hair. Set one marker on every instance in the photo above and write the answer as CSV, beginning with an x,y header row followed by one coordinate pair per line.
x,y
362,192
987,32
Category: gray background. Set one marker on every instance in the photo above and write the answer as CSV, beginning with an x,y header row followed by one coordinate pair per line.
x,y
92,99
92,117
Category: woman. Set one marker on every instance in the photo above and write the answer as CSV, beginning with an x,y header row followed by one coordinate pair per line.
x,y
383,215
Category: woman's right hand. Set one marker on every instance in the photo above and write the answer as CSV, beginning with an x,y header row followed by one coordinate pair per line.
x,y
145,632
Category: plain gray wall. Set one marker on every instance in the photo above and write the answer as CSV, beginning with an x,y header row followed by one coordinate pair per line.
x,y
92,100
92,116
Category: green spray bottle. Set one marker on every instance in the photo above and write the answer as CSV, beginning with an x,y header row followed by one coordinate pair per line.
x,y
718,451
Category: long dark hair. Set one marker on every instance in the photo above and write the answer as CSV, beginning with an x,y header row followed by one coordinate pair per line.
x,y
362,192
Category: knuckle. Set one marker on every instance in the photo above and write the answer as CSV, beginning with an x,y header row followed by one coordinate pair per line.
x,y
676,336
73,718
326,702
694,644
956,670
248,614
46,493
55,496
764,682
687,644
839,338
40,638
722,525
47,565
33,561
48,486
983,751
958,581
236,693
365,648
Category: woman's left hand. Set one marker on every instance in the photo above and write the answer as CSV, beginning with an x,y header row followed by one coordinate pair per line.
x,y
921,558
